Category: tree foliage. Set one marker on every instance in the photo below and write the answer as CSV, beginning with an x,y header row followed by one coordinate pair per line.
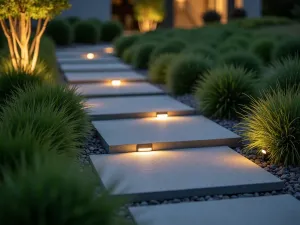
x,y
15,19
148,13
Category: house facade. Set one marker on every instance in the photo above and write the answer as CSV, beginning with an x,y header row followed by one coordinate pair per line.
x,y
179,13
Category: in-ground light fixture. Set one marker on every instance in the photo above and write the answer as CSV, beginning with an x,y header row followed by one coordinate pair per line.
x,y
144,148
162,115
116,82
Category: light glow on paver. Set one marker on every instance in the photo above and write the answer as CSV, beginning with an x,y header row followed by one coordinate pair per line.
x,y
90,56
109,50
162,116
116,82
144,148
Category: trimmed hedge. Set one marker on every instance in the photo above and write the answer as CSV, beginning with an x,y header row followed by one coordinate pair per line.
x,y
123,43
61,32
86,33
110,31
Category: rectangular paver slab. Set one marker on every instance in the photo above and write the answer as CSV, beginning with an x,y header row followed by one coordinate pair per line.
x,y
126,89
174,132
134,107
88,77
102,59
271,210
162,175
94,67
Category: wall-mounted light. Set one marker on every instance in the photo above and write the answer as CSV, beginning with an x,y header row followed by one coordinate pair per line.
x,y
109,50
90,56
162,115
115,82
144,148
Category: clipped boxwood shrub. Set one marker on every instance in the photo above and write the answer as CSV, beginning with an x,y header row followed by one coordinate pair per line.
x,y
243,59
283,74
202,50
62,98
54,191
290,47
211,16
123,43
238,13
73,20
224,91
48,124
86,32
174,46
141,55
184,72
263,48
60,31
272,123
158,69
11,81
111,30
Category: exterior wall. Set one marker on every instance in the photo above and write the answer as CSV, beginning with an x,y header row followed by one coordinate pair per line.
x,y
85,9
253,8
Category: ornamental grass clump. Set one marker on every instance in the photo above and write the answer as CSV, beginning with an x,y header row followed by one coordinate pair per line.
x,y
47,123
174,46
159,68
287,48
185,71
272,123
246,60
201,50
263,48
224,91
141,56
63,99
123,43
283,74
54,191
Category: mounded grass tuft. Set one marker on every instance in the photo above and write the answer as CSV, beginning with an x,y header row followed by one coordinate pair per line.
x,y
111,30
61,32
123,43
142,54
224,91
62,98
272,123
243,59
263,48
159,68
283,74
185,71
53,190
287,48
86,32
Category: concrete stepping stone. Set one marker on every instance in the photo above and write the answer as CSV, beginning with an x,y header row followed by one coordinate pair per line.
x,y
172,133
271,210
161,175
71,60
135,107
94,67
125,89
89,77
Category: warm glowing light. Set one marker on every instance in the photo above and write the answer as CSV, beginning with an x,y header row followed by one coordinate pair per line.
x,y
109,50
89,105
264,152
162,115
116,82
90,56
181,3
144,148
